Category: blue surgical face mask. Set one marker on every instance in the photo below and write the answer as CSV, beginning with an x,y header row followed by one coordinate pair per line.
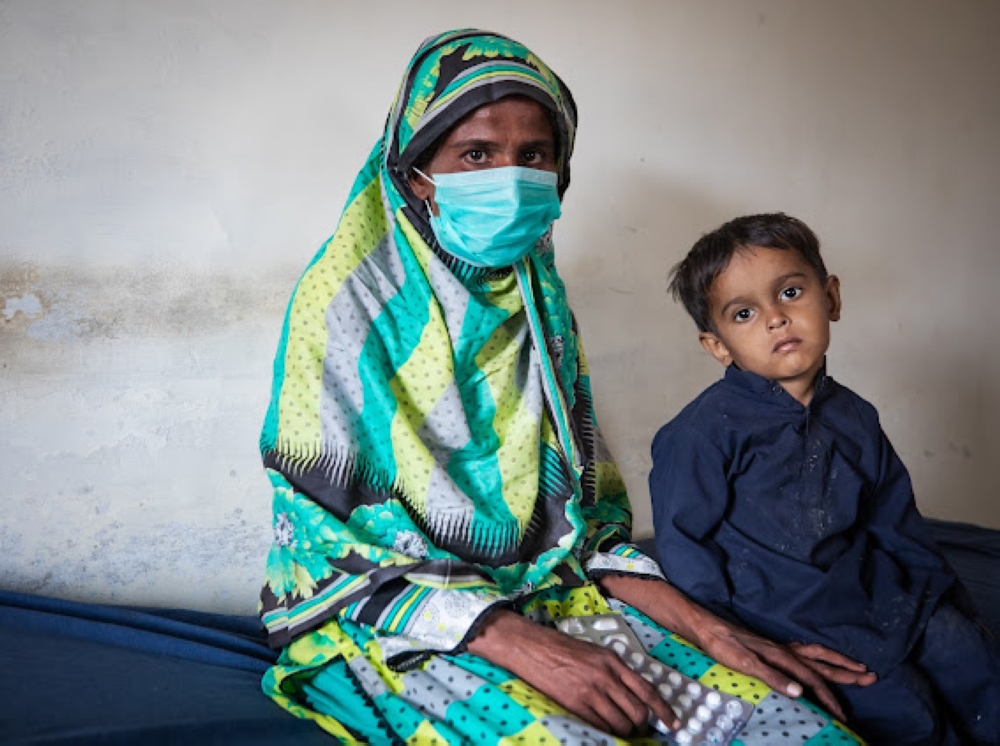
x,y
493,217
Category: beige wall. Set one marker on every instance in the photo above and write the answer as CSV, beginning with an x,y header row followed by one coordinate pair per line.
x,y
167,169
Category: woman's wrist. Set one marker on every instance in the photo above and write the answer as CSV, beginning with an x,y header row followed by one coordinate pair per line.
x,y
664,604
498,635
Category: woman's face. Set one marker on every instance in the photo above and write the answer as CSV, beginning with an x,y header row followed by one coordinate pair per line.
x,y
514,131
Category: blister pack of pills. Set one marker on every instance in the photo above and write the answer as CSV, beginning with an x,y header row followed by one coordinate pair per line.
x,y
707,715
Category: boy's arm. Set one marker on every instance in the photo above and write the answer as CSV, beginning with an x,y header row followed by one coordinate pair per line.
x,y
690,496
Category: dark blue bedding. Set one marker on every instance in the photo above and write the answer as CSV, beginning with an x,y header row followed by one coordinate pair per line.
x,y
88,674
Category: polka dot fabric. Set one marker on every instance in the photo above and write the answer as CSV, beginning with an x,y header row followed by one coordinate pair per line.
x,y
463,699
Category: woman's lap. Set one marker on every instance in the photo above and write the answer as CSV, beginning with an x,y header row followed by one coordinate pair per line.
x,y
335,676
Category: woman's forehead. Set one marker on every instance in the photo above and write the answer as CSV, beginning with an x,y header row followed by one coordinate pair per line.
x,y
511,116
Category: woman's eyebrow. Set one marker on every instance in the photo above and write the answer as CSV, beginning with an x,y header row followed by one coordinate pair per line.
x,y
482,143
474,143
542,142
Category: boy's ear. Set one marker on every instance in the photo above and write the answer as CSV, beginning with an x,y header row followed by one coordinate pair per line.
x,y
715,347
833,297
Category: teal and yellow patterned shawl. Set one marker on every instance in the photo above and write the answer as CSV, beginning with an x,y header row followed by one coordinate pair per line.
x,y
431,439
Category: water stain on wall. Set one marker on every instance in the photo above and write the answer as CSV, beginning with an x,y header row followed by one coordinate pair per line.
x,y
80,303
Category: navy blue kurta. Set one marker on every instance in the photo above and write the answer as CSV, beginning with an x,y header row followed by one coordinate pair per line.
x,y
798,522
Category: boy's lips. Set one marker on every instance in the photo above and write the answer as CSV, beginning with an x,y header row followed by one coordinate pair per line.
x,y
787,344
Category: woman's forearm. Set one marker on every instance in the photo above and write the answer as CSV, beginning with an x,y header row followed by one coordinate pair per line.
x,y
784,668
662,603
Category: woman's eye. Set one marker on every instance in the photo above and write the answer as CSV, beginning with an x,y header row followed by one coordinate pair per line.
x,y
744,314
791,293
537,158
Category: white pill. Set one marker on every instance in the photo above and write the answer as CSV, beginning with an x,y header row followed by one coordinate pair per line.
x,y
619,647
682,736
714,735
684,701
573,626
703,713
713,699
725,722
656,669
635,660
733,708
605,623
666,691
694,688
617,637
675,678
694,725
648,677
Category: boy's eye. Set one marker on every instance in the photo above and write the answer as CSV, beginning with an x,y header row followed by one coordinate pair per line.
x,y
791,293
476,156
744,314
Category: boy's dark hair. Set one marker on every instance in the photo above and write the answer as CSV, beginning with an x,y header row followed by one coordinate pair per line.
x,y
691,279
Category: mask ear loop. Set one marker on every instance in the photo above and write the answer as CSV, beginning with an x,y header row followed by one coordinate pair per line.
x,y
417,170
427,202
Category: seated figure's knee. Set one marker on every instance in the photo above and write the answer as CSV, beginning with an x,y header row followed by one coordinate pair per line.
x,y
899,708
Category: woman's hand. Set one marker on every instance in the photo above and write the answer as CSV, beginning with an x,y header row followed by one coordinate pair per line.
x,y
784,668
590,681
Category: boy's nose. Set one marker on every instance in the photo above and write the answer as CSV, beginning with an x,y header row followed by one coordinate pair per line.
x,y
777,321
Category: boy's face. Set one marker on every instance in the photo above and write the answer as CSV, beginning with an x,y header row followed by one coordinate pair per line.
x,y
772,316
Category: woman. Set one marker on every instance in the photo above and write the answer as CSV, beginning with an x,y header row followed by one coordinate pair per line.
x,y
441,490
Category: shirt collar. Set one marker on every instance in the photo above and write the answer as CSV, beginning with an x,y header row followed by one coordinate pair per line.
x,y
770,389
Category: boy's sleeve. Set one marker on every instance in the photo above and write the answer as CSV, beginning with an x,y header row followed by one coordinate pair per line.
x,y
690,494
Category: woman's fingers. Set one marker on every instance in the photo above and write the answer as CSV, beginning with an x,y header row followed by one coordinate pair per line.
x,y
840,666
833,666
649,699
622,697
779,661
588,680
775,665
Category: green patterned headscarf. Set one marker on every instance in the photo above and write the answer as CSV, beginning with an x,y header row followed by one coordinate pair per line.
x,y
430,428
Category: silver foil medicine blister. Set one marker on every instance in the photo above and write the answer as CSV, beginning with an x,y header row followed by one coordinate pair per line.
x,y
707,715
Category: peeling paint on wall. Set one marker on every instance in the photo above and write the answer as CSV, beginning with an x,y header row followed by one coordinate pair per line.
x,y
27,304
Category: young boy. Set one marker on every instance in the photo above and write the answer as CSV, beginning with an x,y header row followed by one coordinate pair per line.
x,y
779,502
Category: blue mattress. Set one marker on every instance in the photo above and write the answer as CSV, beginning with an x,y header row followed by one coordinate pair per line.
x,y
89,674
